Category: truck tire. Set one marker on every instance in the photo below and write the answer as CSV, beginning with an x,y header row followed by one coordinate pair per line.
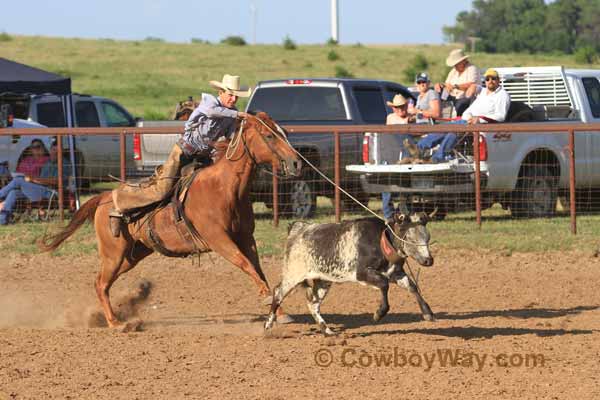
x,y
297,197
536,193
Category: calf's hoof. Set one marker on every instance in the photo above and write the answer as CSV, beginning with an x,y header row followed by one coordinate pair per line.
x,y
429,317
328,332
379,314
267,301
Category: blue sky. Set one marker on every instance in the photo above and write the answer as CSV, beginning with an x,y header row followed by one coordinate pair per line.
x,y
305,21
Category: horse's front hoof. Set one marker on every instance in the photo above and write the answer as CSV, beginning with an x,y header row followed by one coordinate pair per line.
x,y
132,326
284,319
429,317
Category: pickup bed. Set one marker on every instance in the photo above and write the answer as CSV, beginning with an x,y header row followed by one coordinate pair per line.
x,y
304,101
525,172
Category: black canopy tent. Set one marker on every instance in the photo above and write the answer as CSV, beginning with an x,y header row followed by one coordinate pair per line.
x,y
19,78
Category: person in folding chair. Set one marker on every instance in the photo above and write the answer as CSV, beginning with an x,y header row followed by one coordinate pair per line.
x,y
33,189
213,119
491,105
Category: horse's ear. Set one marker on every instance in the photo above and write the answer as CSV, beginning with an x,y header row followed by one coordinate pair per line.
x,y
252,112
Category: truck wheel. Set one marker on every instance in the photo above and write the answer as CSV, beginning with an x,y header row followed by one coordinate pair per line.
x,y
536,193
298,198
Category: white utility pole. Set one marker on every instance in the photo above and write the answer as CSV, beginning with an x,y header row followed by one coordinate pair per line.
x,y
334,21
253,12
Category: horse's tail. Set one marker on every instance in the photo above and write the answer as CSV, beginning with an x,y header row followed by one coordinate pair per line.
x,y
87,211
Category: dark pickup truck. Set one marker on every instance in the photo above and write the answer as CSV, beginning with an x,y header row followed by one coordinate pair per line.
x,y
308,101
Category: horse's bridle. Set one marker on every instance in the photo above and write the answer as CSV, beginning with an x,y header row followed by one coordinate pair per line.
x,y
242,135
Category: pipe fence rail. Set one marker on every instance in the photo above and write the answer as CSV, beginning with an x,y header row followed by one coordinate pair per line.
x,y
279,196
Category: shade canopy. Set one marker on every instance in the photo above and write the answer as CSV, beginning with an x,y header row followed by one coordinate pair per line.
x,y
20,78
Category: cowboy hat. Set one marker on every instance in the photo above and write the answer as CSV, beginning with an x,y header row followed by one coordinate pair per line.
x,y
397,101
231,84
456,56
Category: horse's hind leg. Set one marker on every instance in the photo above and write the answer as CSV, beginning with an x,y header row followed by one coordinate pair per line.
x,y
113,263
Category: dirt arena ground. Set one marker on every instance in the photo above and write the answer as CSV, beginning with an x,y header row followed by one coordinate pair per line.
x,y
508,326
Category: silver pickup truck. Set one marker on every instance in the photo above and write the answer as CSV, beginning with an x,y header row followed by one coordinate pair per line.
x,y
97,156
525,172
305,101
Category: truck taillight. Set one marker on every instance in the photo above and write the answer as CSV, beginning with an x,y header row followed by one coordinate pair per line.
x,y
298,81
137,147
483,153
10,120
365,149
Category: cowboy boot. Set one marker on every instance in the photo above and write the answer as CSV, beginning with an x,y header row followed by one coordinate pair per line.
x,y
115,219
412,149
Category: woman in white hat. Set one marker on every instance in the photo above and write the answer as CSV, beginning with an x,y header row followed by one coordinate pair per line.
x,y
463,81
214,118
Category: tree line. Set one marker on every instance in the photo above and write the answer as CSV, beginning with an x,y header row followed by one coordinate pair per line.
x,y
529,26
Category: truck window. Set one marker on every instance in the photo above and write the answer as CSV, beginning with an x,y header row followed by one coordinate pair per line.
x,y
592,90
86,114
115,115
51,114
301,103
370,105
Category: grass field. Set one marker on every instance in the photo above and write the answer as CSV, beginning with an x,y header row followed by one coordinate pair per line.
x,y
150,77
499,233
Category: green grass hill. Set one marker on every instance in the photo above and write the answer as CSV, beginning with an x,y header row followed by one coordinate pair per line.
x,y
149,77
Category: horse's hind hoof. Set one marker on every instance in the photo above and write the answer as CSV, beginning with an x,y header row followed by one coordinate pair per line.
x,y
284,319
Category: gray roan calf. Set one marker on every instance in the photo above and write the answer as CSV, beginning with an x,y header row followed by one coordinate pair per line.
x,y
361,250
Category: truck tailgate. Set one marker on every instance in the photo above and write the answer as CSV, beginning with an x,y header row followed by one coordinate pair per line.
x,y
451,167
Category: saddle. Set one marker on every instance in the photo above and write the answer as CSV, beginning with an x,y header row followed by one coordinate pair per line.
x,y
167,229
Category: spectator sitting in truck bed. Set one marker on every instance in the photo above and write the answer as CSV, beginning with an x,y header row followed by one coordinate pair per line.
x,y
399,116
490,106
32,188
428,101
462,83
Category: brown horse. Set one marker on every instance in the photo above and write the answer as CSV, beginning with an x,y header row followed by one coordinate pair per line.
x,y
217,204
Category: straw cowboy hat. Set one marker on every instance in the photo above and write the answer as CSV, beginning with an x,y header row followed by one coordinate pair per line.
x,y
397,101
455,57
231,84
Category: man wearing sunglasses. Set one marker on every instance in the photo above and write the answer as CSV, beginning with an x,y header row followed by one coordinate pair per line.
x,y
490,106
492,103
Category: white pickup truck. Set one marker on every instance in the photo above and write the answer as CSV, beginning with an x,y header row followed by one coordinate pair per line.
x,y
525,172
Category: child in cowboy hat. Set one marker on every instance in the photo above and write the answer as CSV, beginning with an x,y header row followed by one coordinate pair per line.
x,y
214,118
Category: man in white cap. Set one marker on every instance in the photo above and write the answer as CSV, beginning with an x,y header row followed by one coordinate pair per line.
x,y
462,83
214,118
